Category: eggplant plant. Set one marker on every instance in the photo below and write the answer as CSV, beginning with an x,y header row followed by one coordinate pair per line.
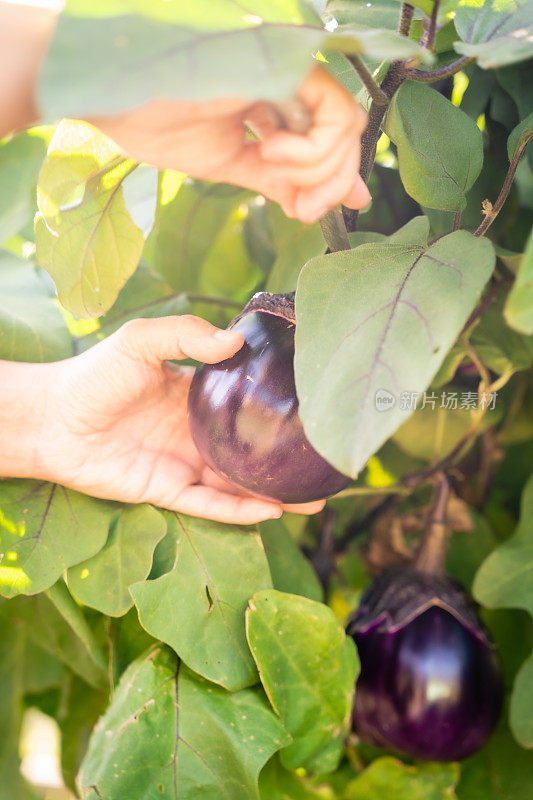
x,y
387,365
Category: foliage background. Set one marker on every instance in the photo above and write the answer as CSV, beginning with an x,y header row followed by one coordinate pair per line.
x,y
82,614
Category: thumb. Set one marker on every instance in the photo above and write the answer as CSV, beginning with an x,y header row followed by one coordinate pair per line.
x,y
155,340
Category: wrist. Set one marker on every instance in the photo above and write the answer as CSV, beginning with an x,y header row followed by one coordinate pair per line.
x,y
25,398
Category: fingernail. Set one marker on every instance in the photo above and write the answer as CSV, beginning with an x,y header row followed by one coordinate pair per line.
x,y
276,514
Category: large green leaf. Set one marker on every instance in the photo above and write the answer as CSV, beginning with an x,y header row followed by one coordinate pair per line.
x,y
519,305
31,326
290,569
420,782
374,324
168,733
44,529
198,228
294,243
103,581
20,161
308,668
44,622
505,580
188,53
85,236
440,149
495,32
198,607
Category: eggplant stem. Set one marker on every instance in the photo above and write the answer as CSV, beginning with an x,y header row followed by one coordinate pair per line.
x,y
432,551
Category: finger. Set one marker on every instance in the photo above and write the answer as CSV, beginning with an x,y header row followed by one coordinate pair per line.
x,y
177,337
305,508
210,503
358,196
322,171
335,115
313,203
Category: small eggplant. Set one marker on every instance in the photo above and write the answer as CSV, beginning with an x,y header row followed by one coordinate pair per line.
x,y
243,412
431,683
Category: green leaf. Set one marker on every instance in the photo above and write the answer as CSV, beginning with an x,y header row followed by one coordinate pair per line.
x,y
31,326
290,569
43,531
376,44
198,608
374,322
505,580
103,580
495,32
419,782
12,659
308,668
520,135
85,237
44,621
383,14
189,240
440,149
500,771
168,733
294,244
61,598
500,348
278,783
519,305
146,295
20,161
81,706
189,57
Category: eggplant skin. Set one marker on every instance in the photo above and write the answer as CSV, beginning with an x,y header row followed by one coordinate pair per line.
x,y
243,417
431,689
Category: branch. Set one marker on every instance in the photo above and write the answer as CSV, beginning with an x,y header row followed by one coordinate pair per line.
x,y
406,17
371,85
428,76
334,231
428,39
492,211
432,551
394,77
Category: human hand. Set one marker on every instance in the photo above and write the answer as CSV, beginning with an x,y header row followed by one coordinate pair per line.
x,y
307,174
117,426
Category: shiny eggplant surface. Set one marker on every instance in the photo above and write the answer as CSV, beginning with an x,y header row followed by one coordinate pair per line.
x,y
243,416
430,685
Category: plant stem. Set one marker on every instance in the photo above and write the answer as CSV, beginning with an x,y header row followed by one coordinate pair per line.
x,y
365,491
432,551
406,17
456,221
369,139
428,39
373,88
355,529
493,210
334,231
430,75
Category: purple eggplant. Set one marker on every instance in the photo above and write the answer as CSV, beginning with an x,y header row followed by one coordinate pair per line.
x,y
431,682
243,412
